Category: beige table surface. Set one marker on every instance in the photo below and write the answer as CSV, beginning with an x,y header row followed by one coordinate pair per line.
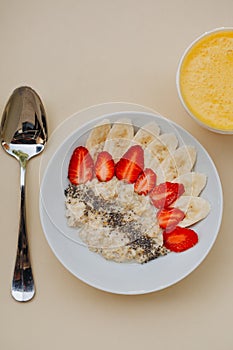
x,y
77,54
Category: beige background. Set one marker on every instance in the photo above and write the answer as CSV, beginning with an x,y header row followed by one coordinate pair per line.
x,y
80,53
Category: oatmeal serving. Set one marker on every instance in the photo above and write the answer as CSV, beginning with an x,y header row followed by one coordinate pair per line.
x,y
132,195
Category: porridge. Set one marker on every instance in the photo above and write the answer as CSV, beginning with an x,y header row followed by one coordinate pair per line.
x,y
130,208
115,221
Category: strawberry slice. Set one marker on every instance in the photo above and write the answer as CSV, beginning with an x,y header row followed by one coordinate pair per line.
x,y
164,194
145,182
130,166
169,218
104,166
180,239
81,166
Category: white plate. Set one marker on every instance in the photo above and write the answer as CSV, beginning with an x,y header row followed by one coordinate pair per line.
x,y
115,277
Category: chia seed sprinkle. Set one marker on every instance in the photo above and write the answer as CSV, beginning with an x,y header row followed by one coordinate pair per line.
x,y
117,219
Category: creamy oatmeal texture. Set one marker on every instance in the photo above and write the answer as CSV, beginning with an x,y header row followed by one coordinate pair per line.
x,y
114,220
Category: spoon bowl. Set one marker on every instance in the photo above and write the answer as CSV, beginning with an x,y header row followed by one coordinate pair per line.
x,y
23,127
23,135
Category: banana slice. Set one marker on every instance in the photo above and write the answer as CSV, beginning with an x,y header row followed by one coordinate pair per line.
x,y
193,183
150,161
179,162
195,209
146,134
162,146
170,140
119,138
97,137
159,149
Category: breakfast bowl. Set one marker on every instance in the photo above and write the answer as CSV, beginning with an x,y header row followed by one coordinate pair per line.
x,y
204,80
86,249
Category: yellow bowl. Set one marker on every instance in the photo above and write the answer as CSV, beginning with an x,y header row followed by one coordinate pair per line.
x,y
205,80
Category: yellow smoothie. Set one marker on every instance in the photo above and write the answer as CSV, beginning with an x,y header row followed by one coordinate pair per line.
x,y
206,80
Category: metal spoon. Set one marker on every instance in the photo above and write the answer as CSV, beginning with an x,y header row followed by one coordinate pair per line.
x,y
23,135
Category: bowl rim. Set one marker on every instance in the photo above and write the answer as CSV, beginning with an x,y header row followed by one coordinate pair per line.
x,y
188,48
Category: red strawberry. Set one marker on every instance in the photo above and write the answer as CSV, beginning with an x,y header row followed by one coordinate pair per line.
x,y
164,194
130,165
180,239
81,166
169,218
104,166
145,182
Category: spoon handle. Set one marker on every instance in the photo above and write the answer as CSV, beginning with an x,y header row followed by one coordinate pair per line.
x,y
22,284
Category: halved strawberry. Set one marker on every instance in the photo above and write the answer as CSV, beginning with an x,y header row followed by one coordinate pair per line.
x,y
104,166
180,239
131,164
81,166
164,194
145,182
169,218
